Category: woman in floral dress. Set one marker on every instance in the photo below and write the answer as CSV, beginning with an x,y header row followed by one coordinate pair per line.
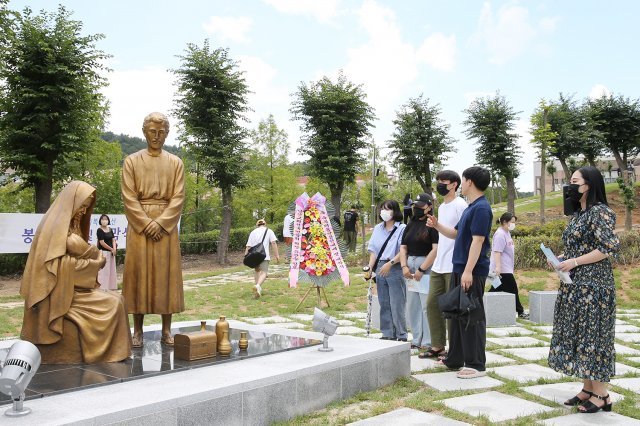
x,y
584,320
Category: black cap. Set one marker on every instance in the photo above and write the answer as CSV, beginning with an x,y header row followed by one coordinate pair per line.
x,y
422,200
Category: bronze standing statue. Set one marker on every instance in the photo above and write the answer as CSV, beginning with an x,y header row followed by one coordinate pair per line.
x,y
65,315
153,195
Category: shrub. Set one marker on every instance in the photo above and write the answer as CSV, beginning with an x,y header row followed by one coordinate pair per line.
x,y
207,242
12,263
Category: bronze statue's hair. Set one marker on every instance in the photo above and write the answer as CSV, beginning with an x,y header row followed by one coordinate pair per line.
x,y
156,117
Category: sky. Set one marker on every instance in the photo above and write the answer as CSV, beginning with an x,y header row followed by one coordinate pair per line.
x,y
449,51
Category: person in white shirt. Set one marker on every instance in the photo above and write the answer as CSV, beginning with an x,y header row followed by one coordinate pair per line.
x,y
287,233
449,213
268,238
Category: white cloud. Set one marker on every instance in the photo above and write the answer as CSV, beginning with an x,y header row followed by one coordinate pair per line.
x,y
387,64
439,51
133,94
229,28
599,91
322,10
510,32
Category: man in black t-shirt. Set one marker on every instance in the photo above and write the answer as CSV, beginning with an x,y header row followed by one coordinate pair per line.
x,y
351,228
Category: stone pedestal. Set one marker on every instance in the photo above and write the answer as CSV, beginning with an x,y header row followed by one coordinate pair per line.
x,y
500,308
541,306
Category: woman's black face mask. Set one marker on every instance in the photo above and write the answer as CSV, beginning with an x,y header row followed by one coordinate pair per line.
x,y
573,192
418,212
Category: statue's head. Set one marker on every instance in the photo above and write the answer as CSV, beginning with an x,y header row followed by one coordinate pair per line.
x,y
155,128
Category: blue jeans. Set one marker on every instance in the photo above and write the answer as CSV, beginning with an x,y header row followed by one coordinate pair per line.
x,y
392,296
417,306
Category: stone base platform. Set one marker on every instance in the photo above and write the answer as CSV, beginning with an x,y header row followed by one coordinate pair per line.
x,y
251,391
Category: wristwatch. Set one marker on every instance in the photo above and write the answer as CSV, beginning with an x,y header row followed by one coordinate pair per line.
x,y
393,262
421,270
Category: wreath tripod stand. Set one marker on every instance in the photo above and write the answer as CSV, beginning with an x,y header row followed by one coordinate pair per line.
x,y
318,289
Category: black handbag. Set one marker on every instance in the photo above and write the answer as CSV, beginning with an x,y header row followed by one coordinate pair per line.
x,y
256,254
456,303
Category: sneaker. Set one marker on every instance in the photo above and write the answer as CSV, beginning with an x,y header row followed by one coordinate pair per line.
x,y
523,315
257,291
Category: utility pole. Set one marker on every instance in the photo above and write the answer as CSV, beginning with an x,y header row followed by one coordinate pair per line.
x,y
373,188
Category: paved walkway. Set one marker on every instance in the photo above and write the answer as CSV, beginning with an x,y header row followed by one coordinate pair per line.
x,y
516,355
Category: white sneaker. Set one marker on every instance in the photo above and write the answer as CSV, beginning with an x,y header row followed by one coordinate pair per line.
x,y
257,291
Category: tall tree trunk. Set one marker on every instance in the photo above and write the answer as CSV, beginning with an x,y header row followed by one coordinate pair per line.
x,y
565,169
511,194
43,189
225,227
621,161
422,182
336,197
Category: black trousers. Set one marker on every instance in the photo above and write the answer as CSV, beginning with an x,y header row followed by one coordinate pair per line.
x,y
509,285
468,335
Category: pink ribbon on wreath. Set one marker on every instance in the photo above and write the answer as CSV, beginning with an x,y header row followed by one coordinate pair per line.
x,y
296,253
331,238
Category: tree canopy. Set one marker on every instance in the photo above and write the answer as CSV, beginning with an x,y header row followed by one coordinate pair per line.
x,y
50,97
335,120
210,103
420,140
491,121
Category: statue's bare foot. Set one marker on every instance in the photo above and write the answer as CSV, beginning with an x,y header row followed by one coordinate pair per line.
x,y
136,341
167,339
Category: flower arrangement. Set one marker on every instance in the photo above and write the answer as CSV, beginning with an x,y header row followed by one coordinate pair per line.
x,y
316,255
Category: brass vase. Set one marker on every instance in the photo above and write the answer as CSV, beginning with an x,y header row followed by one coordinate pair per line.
x,y
221,326
224,345
243,343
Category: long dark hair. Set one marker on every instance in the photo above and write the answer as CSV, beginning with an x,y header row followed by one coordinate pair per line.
x,y
597,193
419,228
407,199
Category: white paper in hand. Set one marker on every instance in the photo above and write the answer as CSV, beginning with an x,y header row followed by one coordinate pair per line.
x,y
551,257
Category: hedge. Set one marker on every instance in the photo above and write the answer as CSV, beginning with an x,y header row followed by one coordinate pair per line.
x,y
207,242
529,255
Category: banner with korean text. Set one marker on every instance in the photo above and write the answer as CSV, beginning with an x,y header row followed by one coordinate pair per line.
x,y
18,229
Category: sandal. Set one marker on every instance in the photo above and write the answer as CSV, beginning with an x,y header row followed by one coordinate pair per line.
x,y
167,339
589,407
136,341
470,373
577,400
431,353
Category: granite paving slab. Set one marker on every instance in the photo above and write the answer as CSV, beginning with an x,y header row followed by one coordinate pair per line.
x,y
345,322
628,337
492,358
622,369
544,328
515,341
302,317
560,392
531,354
447,381
620,322
526,372
495,405
599,418
634,358
418,364
508,331
632,384
625,350
627,329
408,417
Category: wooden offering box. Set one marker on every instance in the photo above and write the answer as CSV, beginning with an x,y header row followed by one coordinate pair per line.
x,y
196,345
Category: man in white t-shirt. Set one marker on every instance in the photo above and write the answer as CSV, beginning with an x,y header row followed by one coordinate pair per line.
x,y
268,238
449,213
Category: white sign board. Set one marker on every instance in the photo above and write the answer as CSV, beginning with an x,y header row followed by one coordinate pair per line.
x,y
17,230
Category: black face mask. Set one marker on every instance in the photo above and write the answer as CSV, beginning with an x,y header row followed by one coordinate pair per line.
x,y
418,213
442,189
572,192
